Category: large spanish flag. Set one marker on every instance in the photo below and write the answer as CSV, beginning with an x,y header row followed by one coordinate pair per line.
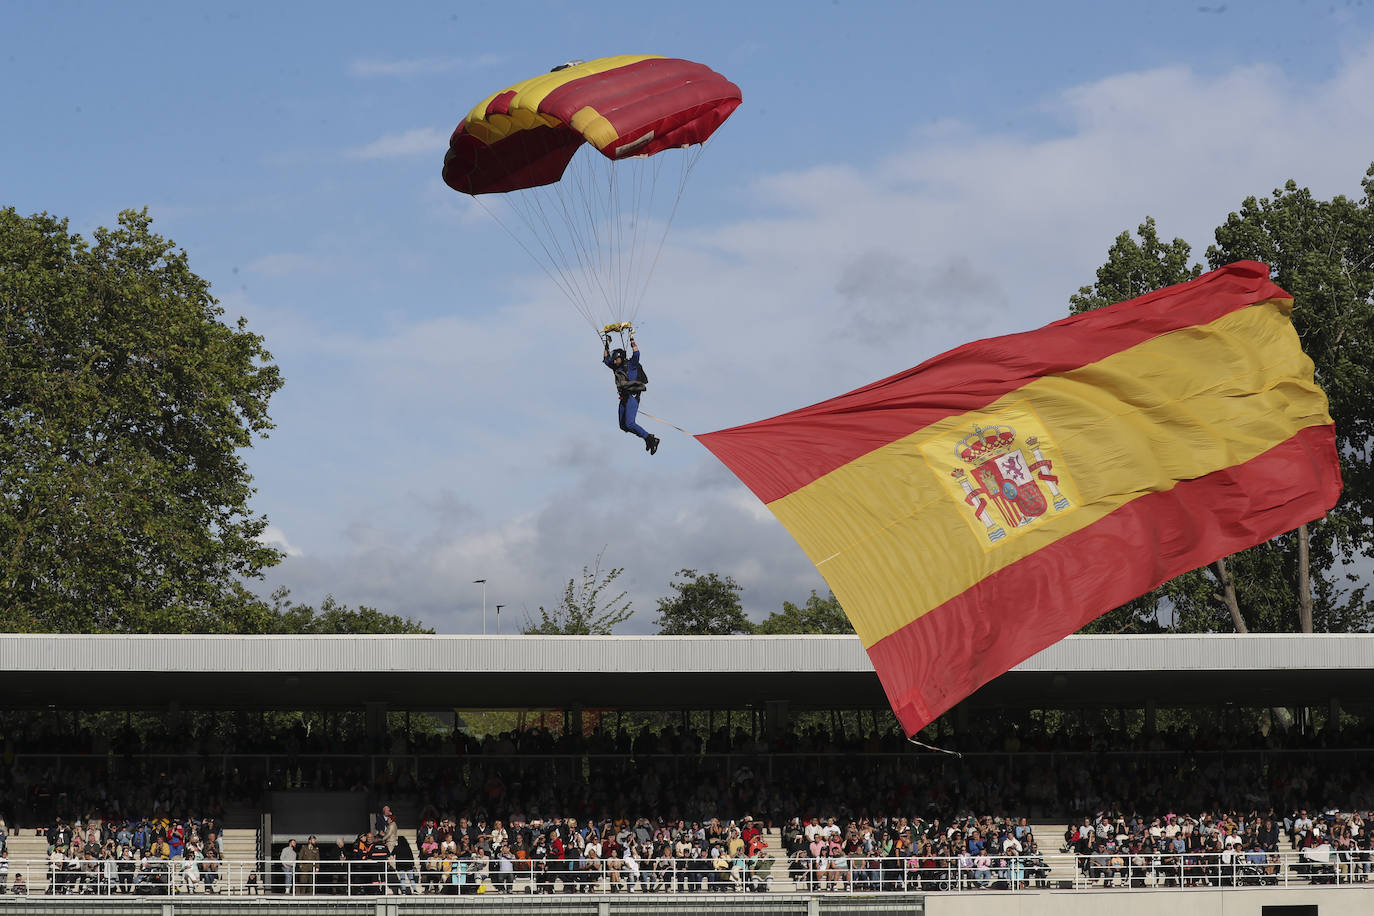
x,y
973,510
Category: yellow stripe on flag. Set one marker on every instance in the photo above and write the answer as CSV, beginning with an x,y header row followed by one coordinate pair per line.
x,y
894,535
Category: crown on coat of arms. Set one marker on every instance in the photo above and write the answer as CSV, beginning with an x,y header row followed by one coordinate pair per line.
x,y
985,442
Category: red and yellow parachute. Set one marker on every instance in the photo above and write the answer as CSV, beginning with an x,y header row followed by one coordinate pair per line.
x,y
592,219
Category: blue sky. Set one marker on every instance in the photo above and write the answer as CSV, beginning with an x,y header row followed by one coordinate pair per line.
x,y
901,178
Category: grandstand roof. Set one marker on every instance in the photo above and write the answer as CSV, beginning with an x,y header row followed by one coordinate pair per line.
x,y
649,672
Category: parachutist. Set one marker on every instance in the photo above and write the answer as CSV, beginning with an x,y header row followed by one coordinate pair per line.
x,y
630,382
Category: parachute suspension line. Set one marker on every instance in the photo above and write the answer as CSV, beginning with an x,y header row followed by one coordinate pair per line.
x,y
576,232
595,228
565,253
528,207
604,191
691,156
577,200
626,209
548,266
646,189
583,266
584,208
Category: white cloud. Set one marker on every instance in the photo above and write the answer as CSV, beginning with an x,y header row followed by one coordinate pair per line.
x,y
499,418
273,536
417,142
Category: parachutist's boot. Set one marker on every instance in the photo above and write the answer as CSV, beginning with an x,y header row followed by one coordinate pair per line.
x,y
651,443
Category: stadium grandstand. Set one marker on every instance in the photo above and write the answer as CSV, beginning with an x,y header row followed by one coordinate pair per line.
x,y
679,774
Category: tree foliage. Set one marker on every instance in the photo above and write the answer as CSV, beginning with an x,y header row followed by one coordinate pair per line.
x,y
817,615
584,611
703,605
125,401
1321,252
1134,268
332,618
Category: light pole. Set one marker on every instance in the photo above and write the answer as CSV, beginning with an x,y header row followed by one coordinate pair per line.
x,y
498,618
483,583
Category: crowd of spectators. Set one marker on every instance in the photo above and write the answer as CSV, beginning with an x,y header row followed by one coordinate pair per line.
x,y
672,782
1211,848
880,853
565,855
141,857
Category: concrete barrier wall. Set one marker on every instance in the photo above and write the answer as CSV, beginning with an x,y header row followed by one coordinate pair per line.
x,y
1356,900
1338,901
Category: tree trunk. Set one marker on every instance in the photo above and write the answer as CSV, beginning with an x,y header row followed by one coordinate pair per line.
x,y
1228,594
1304,582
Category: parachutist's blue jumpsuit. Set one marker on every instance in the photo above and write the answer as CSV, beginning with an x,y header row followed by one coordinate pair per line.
x,y
629,403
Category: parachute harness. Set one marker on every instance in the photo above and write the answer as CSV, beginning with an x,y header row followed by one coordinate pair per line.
x,y
626,331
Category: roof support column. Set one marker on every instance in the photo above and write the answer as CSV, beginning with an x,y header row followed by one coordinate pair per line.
x,y
376,719
778,714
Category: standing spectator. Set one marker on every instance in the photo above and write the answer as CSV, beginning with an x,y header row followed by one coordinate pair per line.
x,y
176,842
4,869
337,862
287,860
378,855
504,879
403,860
308,864
389,829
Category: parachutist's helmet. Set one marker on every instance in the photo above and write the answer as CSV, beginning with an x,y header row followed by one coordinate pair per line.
x,y
618,355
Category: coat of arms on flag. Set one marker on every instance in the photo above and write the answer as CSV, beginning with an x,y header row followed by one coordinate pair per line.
x,y
1007,476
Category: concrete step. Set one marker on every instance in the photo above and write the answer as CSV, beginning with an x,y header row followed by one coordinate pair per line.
x,y
239,844
27,854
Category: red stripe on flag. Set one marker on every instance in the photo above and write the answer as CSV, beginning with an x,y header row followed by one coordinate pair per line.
x,y
774,457
938,659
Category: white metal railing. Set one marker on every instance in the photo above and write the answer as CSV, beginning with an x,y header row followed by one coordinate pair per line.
x,y
149,877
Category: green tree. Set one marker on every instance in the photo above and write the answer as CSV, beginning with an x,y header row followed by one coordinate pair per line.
x,y
1135,268
817,615
125,401
332,618
703,605
583,611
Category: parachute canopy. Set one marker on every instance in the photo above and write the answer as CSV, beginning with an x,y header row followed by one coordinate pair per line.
x,y
974,510
630,105
569,163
